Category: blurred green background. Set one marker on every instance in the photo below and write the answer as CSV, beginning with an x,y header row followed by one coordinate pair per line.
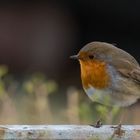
x,y
38,82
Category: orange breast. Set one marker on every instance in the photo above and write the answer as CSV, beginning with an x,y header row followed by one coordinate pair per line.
x,y
94,73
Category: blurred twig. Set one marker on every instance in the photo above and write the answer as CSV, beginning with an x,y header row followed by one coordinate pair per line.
x,y
73,105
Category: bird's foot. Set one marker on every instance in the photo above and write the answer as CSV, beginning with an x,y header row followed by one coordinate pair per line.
x,y
118,130
98,124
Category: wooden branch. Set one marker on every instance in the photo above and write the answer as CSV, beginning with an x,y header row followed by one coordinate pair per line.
x,y
80,132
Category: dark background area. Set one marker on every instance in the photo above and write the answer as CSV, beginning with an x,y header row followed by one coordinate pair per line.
x,y
41,35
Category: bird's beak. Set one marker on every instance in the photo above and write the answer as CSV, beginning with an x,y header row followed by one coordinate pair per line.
x,y
74,57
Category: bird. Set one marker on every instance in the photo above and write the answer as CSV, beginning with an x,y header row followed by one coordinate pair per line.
x,y
110,75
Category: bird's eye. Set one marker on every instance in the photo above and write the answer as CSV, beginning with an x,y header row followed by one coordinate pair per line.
x,y
91,56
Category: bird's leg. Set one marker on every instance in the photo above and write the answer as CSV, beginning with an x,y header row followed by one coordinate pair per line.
x,y
118,129
98,124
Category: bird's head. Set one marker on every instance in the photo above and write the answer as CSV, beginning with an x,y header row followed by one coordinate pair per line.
x,y
93,59
99,51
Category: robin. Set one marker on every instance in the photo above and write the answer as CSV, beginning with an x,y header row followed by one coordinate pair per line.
x,y
109,75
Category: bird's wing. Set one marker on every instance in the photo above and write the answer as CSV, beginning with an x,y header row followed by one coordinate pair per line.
x,y
133,74
129,70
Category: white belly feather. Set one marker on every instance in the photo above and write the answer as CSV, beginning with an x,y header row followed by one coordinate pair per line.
x,y
109,98
101,96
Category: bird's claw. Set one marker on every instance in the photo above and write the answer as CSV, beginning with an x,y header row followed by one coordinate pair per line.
x,y
118,130
98,124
